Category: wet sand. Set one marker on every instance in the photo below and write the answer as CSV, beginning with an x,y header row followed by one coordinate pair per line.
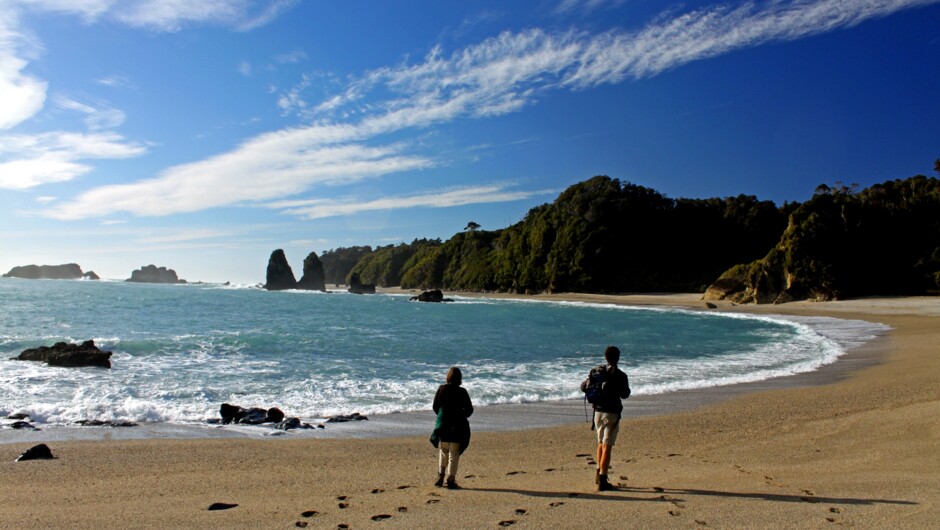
x,y
856,443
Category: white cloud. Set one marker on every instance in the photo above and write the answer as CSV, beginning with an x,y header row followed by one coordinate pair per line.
x,y
96,117
186,235
244,68
21,95
319,208
270,166
54,157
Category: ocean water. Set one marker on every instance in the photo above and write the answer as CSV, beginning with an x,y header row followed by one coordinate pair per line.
x,y
179,351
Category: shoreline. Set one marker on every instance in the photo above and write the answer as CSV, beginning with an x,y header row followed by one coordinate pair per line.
x,y
492,417
858,446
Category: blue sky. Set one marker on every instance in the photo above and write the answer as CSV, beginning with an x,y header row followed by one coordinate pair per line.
x,y
202,135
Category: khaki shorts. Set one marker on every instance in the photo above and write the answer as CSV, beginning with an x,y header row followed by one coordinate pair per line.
x,y
607,425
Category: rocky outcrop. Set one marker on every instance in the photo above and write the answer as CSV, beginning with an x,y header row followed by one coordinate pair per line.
x,y
90,275
36,452
257,416
279,275
434,295
357,287
342,418
69,271
154,274
723,288
313,278
68,355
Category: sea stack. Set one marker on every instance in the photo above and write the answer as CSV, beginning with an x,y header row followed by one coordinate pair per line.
x,y
279,276
313,278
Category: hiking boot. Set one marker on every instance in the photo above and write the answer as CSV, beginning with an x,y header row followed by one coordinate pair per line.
x,y
597,476
602,484
452,484
440,480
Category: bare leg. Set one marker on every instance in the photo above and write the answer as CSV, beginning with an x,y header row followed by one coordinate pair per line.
x,y
603,459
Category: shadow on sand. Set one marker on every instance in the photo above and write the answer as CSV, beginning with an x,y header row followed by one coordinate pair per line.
x,y
673,495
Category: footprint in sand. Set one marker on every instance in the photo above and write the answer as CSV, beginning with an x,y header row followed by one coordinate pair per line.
x,y
309,513
301,524
381,516
549,469
433,501
470,476
402,509
507,522
378,490
403,487
701,522
555,504
809,492
342,526
343,505
623,477
342,497
221,506
516,473
521,511
581,455
675,513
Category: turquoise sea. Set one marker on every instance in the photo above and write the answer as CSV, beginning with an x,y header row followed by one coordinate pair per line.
x,y
182,350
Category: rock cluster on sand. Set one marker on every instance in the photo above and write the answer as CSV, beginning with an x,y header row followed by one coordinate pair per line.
x,y
257,416
434,295
68,271
154,274
68,355
357,287
36,452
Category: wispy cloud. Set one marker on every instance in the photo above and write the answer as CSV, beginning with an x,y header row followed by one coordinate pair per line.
x,y
186,235
21,95
55,157
96,116
319,208
499,75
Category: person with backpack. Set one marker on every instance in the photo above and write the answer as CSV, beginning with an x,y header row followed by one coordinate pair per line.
x,y
604,388
452,430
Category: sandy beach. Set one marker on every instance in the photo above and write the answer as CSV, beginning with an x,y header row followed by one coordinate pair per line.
x,y
858,445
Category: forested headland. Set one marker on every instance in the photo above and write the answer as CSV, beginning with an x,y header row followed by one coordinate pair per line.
x,y
607,236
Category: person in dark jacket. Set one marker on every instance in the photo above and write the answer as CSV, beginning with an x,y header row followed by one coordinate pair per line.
x,y
452,430
607,411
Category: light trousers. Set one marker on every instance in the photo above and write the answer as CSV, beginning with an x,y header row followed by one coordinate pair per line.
x,y
449,458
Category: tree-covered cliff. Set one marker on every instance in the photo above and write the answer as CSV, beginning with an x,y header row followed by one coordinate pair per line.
x,y
606,236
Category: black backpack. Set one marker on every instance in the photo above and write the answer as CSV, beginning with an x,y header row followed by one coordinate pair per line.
x,y
593,392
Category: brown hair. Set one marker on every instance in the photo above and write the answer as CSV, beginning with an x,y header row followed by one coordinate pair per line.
x,y
612,354
454,377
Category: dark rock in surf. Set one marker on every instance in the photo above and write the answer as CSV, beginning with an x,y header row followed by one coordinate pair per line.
x,y
23,425
249,416
434,295
154,274
355,416
279,276
18,416
90,275
36,452
357,287
68,355
314,278
102,423
69,271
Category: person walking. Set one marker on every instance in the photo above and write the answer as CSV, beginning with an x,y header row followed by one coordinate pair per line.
x,y
452,430
613,387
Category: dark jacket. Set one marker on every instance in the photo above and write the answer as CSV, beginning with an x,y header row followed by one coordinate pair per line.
x,y
616,387
452,406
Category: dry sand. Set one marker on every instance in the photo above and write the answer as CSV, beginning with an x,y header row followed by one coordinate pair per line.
x,y
863,451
